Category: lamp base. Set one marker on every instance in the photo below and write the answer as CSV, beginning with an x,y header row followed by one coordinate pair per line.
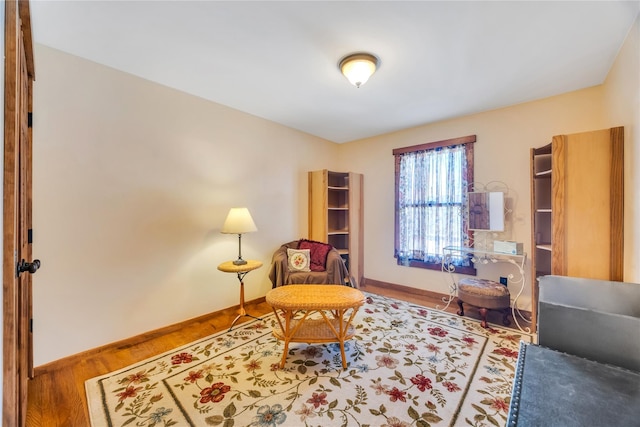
x,y
239,261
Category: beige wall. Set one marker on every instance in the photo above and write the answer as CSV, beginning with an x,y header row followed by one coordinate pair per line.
x,y
504,140
622,105
132,182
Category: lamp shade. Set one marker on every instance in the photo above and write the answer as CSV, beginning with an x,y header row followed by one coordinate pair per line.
x,y
238,221
357,68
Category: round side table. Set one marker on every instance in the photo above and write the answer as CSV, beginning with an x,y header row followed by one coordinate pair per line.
x,y
241,270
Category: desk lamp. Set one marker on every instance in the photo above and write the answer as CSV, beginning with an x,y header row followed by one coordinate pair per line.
x,y
239,221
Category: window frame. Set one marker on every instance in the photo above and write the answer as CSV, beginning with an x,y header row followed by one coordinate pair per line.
x,y
468,142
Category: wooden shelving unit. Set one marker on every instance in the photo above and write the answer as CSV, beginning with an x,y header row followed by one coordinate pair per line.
x,y
541,194
577,207
335,215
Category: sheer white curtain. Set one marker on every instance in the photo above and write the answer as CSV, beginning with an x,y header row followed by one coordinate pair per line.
x,y
432,191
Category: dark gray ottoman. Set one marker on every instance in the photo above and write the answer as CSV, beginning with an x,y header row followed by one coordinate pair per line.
x,y
557,389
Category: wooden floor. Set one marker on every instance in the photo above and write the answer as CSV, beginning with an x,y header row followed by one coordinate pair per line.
x,y
57,395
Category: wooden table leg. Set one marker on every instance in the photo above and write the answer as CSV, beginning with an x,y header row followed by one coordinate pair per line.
x,y
241,312
338,315
287,337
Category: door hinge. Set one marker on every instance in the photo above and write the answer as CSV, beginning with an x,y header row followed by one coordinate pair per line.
x,y
30,235
31,325
29,118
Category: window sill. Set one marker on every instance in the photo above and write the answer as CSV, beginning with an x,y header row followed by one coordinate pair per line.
x,y
470,271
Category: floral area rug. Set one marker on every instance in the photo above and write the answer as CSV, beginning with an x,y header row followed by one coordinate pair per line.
x,y
407,366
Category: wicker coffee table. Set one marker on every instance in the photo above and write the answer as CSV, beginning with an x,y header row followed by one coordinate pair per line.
x,y
335,306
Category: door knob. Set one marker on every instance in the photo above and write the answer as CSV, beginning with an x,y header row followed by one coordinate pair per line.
x,y
31,267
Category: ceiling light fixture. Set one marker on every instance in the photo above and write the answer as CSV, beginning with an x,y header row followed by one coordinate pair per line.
x,y
358,67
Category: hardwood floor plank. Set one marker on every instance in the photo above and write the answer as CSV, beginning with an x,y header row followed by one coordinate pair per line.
x,y
56,395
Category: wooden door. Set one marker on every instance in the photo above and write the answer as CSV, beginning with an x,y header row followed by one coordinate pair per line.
x,y
17,262
588,204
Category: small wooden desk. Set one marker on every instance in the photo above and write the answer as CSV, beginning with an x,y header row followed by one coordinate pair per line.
x,y
336,304
241,271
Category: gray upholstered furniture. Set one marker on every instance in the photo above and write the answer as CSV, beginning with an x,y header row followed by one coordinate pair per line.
x,y
333,272
585,369
595,319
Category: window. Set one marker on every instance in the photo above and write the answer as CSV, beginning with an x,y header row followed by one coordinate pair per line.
x,y
430,213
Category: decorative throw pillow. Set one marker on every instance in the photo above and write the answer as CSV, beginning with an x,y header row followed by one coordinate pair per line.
x,y
318,252
299,259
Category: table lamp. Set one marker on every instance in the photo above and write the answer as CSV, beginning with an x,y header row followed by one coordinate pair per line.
x,y
239,221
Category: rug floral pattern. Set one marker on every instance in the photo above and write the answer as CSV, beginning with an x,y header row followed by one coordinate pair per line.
x,y
407,366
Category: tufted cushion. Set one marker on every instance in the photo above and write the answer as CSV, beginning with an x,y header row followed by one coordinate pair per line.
x,y
318,253
483,287
483,293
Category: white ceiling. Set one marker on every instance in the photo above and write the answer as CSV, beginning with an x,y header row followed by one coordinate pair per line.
x,y
278,60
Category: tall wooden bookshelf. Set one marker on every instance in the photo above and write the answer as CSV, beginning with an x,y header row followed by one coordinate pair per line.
x,y
577,207
335,216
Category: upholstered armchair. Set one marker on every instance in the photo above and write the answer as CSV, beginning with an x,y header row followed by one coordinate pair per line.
x,y
308,262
